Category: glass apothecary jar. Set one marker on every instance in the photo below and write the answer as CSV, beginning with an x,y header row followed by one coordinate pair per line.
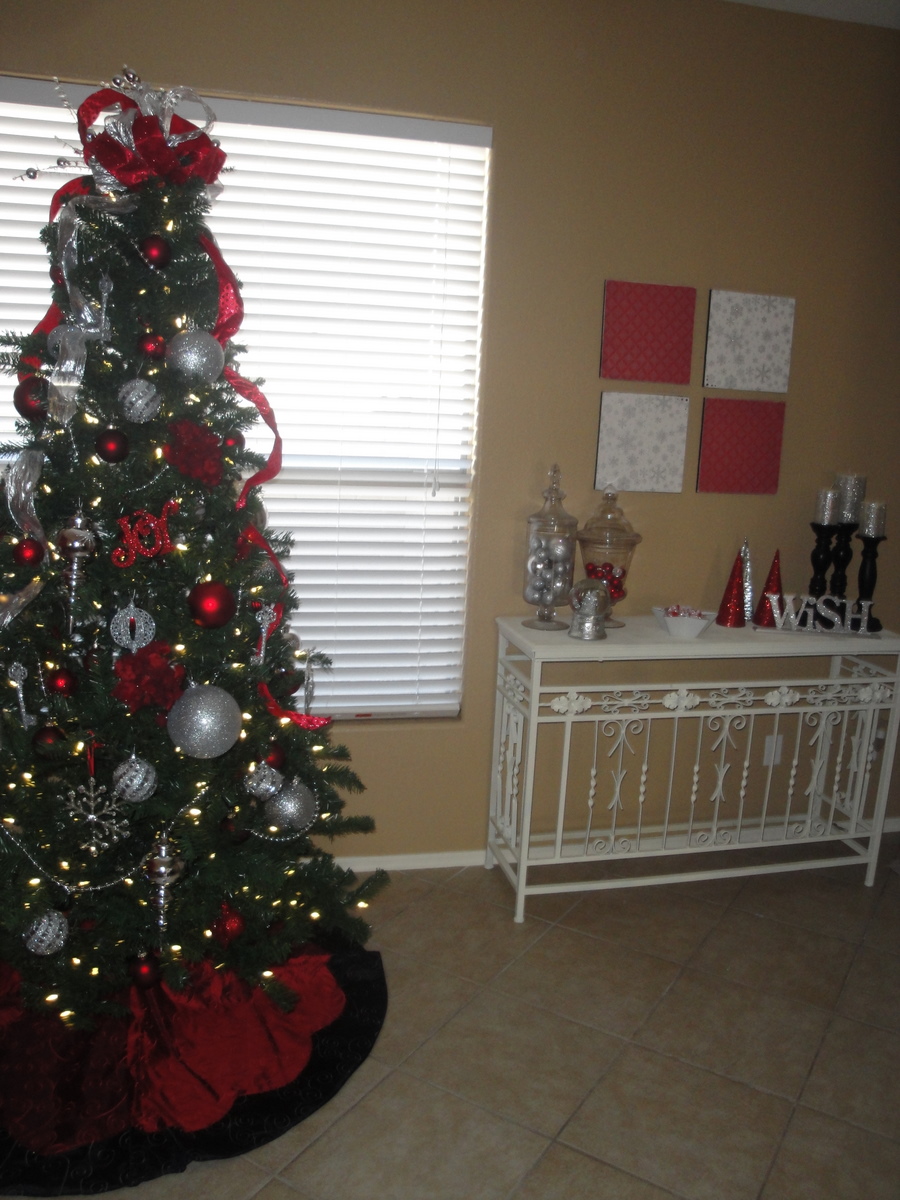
x,y
607,544
549,557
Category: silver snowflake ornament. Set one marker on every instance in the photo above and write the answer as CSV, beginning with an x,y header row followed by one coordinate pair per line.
x,y
100,813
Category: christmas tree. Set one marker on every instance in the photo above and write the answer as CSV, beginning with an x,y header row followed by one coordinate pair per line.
x,y
168,796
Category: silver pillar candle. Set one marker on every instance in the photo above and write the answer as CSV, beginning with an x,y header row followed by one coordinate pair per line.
x,y
851,493
827,507
872,519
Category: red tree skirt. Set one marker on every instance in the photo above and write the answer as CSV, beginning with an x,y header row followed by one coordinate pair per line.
x,y
208,1073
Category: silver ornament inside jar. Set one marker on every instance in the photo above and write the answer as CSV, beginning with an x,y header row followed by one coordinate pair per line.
x,y
550,557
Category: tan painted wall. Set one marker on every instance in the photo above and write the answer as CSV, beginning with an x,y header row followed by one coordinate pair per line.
x,y
667,141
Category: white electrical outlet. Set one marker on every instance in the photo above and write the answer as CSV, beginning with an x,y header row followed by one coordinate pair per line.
x,y
772,751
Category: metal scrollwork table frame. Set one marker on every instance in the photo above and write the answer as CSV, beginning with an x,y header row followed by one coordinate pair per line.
x,y
751,751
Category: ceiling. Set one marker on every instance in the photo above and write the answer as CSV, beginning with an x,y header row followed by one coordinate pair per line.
x,y
863,12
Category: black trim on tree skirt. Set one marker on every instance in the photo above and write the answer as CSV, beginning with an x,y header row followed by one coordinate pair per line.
x,y
135,1157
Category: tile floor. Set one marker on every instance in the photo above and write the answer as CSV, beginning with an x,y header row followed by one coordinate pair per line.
x,y
721,1040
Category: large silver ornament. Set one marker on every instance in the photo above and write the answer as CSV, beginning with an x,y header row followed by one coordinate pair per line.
x,y
140,400
47,934
204,721
263,782
134,780
294,807
132,628
196,354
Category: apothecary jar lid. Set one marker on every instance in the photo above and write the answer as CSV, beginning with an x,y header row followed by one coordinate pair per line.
x,y
609,526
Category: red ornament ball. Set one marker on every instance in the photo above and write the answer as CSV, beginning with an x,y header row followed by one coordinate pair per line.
x,y
229,926
28,553
233,441
294,681
144,971
212,605
50,735
56,275
112,445
61,682
155,250
237,836
276,756
30,399
152,345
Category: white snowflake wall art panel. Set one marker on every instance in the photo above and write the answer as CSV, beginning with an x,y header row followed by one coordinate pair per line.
x,y
748,342
642,441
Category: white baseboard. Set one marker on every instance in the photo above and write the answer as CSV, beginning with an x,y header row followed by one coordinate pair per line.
x,y
461,858
416,862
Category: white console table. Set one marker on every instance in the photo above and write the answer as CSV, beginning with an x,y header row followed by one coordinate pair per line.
x,y
749,750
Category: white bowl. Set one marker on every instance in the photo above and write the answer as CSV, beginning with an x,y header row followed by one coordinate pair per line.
x,y
683,627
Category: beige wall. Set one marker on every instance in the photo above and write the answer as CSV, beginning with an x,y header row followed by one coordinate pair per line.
x,y
667,141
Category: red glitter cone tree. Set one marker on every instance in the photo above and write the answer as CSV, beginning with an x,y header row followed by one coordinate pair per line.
x,y
731,608
763,616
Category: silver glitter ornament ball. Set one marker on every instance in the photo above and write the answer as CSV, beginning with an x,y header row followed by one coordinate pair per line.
x,y
196,354
134,780
294,807
140,400
47,934
264,782
205,721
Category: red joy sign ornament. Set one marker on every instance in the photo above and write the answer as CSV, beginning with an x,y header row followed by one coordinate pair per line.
x,y
143,525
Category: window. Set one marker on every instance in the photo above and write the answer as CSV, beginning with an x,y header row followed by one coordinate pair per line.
x,y
359,242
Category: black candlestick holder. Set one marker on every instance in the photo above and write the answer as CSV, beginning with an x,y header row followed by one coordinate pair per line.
x,y
841,555
821,558
868,577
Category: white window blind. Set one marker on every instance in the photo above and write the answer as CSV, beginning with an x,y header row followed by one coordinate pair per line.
x,y
359,242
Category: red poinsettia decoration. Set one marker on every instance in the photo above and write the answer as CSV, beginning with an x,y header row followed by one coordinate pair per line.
x,y
195,451
148,678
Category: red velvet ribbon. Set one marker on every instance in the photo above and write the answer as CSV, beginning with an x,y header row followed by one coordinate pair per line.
x,y
231,306
152,157
302,720
228,322
75,187
252,535
54,316
51,318
252,393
